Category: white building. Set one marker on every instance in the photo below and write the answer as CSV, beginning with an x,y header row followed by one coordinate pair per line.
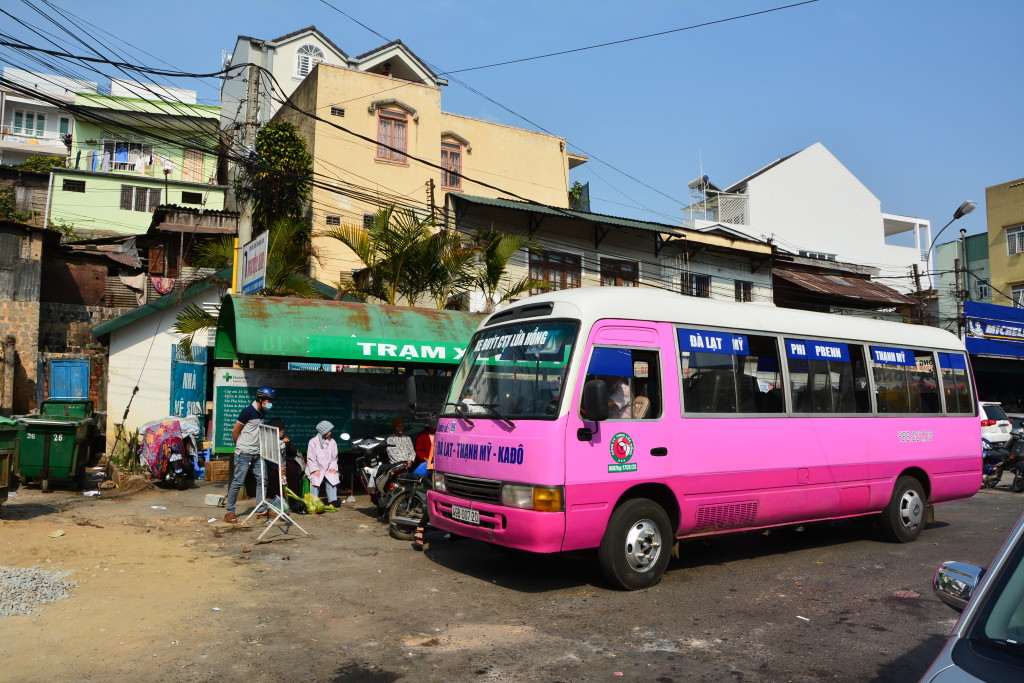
x,y
33,126
811,205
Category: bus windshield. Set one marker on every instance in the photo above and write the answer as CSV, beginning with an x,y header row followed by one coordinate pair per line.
x,y
516,371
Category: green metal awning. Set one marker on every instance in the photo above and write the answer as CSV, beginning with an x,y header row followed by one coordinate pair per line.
x,y
252,327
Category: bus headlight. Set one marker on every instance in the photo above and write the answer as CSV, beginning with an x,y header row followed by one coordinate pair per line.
x,y
439,484
539,498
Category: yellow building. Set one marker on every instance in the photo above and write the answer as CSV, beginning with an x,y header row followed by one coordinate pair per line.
x,y
389,96
1005,206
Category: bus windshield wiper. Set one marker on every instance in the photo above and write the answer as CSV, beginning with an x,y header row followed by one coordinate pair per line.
x,y
461,412
1006,645
493,407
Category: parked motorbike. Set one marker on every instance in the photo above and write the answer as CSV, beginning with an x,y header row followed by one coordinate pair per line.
x,y
406,505
999,459
179,469
377,473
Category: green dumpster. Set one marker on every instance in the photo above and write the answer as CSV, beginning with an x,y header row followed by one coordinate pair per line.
x,y
54,448
8,457
66,407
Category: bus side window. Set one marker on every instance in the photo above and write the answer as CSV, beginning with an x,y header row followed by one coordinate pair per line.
x,y
747,380
633,377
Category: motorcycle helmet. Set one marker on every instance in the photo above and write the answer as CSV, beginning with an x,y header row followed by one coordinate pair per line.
x,y
265,392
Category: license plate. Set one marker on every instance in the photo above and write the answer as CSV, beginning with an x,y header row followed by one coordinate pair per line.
x,y
465,514
1004,428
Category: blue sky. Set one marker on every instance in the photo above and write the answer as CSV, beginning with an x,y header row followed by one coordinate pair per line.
x,y
921,99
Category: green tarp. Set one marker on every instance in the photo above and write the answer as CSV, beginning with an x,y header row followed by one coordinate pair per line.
x,y
340,331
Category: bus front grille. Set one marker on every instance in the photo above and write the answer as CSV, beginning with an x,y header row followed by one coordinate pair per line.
x,y
471,488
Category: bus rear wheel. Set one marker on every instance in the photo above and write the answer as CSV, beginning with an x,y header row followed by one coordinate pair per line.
x,y
903,518
636,547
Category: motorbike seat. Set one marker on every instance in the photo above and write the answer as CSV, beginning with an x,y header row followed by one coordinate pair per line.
x,y
411,478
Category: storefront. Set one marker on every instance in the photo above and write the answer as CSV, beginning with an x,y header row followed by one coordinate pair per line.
x,y
358,357
995,342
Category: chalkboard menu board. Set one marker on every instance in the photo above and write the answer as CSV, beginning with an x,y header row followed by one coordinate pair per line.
x,y
301,410
359,404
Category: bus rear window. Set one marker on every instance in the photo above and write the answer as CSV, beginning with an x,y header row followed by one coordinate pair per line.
x,y
956,387
724,372
905,380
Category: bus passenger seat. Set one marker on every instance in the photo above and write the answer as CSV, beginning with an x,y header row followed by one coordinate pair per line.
x,y
640,406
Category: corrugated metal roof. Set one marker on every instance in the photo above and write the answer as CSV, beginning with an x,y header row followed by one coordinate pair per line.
x,y
603,219
370,334
854,288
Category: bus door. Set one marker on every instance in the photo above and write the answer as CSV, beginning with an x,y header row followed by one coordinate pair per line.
x,y
633,443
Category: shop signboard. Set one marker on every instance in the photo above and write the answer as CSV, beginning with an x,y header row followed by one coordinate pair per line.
x,y
993,330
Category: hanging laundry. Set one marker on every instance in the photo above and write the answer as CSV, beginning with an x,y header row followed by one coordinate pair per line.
x,y
168,166
105,162
94,160
163,285
78,158
140,165
121,154
137,283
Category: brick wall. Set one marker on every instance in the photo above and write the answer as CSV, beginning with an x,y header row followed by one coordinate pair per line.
x,y
67,328
21,321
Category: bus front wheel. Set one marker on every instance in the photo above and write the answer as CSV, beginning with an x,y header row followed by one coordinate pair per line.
x,y
637,545
903,519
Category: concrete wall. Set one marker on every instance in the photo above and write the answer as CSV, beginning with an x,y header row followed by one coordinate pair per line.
x,y
19,310
1004,205
140,355
533,165
812,202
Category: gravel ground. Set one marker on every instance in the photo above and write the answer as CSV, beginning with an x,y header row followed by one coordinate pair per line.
x,y
23,591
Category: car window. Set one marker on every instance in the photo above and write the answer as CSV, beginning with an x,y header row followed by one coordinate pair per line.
x,y
995,413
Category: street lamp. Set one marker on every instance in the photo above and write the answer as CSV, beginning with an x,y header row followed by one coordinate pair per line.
x,y
960,212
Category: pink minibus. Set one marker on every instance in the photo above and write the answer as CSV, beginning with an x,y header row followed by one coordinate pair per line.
x,y
625,419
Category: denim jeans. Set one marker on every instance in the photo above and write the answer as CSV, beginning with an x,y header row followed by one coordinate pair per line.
x,y
332,490
243,463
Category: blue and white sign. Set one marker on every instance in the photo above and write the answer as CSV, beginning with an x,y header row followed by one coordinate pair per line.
x,y
254,263
888,355
813,349
188,382
713,342
994,330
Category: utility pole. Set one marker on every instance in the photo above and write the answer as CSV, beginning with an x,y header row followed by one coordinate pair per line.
x,y
248,145
919,295
959,300
430,198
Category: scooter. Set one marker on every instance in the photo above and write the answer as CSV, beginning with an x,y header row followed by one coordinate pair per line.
x,y
407,504
180,467
376,473
999,459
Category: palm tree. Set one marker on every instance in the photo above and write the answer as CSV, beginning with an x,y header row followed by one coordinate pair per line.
x,y
396,246
289,251
492,278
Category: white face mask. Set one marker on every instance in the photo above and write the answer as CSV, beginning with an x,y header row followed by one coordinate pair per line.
x,y
268,405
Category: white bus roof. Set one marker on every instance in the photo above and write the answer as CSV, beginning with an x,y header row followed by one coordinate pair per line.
x,y
590,304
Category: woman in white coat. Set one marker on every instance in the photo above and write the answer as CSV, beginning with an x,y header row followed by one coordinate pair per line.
x,y
322,463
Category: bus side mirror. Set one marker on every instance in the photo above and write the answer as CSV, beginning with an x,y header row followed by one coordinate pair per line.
x,y
595,400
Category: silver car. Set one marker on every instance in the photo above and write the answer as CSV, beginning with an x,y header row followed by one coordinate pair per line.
x,y
987,643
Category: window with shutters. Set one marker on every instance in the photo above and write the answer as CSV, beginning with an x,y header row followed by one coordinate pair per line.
x,y
451,160
333,219
135,198
368,220
1015,240
29,123
560,270
618,273
306,57
73,185
191,197
65,125
192,166
696,285
391,134
744,290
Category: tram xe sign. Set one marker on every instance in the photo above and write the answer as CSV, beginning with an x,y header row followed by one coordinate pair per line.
x,y
254,264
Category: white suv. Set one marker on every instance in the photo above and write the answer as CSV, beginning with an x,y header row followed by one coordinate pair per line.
x,y
995,426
